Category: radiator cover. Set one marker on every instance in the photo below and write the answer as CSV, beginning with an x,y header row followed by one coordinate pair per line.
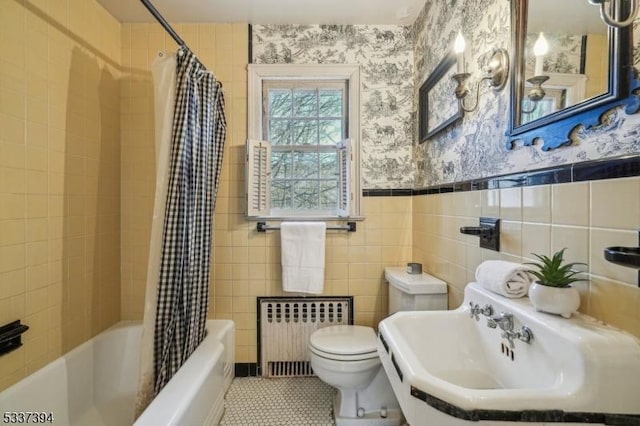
x,y
285,325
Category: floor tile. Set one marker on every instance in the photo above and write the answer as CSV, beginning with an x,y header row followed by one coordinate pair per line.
x,y
257,401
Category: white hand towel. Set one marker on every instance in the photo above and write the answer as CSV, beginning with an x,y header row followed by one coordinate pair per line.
x,y
302,256
508,279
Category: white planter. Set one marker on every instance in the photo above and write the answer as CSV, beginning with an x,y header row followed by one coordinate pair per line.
x,y
554,300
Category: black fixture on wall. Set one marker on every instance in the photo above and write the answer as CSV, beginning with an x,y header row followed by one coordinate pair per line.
x,y
488,231
11,336
625,256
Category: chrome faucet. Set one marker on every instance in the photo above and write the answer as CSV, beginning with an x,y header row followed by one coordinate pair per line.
x,y
475,310
505,322
524,335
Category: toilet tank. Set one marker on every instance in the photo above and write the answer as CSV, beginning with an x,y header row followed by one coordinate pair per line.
x,y
414,292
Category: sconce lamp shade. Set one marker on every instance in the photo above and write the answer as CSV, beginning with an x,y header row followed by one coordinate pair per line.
x,y
458,48
459,45
541,47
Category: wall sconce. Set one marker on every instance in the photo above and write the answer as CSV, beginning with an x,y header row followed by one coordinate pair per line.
x,y
537,93
606,17
496,73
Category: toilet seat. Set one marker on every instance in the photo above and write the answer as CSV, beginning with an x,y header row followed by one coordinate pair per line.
x,y
346,357
344,343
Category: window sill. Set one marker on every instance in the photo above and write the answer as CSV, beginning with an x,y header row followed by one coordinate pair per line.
x,y
305,218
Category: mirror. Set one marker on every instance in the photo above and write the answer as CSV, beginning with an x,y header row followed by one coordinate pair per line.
x,y
581,65
572,50
437,107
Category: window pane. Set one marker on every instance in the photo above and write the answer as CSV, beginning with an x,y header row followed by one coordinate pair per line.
x,y
305,195
281,167
304,119
330,132
328,195
330,103
305,165
280,103
328,164
305,103
305,132
281,195
279,132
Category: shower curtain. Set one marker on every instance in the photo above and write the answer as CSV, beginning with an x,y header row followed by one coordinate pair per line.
x,y
178,270
163,71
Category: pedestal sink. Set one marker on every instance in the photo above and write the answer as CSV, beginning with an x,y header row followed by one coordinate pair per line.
x,y
497,361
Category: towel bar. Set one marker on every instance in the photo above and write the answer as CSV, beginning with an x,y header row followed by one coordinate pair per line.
x,y
350,227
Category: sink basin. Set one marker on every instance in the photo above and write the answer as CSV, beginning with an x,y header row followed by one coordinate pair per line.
x,y
446,365
624,256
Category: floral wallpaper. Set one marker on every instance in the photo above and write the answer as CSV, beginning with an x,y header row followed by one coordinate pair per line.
x,y
475,146
396,60
386,58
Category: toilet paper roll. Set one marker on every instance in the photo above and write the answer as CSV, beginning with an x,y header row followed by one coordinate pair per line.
x,y
414,268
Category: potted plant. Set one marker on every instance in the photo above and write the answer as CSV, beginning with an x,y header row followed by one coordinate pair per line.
x,y
552,292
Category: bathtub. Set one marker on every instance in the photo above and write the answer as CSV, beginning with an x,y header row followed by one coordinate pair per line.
x,y
95,383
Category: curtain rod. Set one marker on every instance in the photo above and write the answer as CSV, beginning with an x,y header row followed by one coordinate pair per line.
x,y
164,23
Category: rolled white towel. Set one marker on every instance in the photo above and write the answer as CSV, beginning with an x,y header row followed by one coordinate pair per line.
x,y
508,279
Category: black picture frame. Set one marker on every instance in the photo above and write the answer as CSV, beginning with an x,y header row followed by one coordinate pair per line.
x,y
426,129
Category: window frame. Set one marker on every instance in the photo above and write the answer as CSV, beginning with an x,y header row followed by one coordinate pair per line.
x,y
259,73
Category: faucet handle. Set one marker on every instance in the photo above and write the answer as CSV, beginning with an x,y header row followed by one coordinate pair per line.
x,y
487,311
525,334
474,309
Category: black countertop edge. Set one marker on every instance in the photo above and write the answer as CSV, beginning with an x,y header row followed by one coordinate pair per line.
x,y
399,192
607,168
549,416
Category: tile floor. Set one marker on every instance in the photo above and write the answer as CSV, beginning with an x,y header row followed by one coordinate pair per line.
x,y
257,401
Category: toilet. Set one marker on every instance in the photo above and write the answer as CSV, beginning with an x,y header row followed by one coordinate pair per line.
x,y
346,356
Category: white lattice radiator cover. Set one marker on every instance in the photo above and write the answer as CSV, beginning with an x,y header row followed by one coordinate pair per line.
x,y
284,327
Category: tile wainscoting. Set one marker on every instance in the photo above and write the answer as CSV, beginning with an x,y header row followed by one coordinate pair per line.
x,y
584,207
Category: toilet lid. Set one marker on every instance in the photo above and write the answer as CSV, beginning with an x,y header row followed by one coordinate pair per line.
x,y
344,340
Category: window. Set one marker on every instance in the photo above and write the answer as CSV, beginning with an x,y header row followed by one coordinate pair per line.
x,y
301,155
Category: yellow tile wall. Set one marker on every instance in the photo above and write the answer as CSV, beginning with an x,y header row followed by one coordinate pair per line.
x,y
77,183
246,264
223,49
585,217
59,176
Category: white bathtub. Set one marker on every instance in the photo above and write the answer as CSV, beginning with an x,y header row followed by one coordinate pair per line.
x,y
95,383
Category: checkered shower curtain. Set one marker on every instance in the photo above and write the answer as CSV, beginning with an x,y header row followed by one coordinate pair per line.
x,y
196,159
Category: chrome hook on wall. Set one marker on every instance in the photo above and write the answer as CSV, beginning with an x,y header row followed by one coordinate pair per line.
x,y
611,21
